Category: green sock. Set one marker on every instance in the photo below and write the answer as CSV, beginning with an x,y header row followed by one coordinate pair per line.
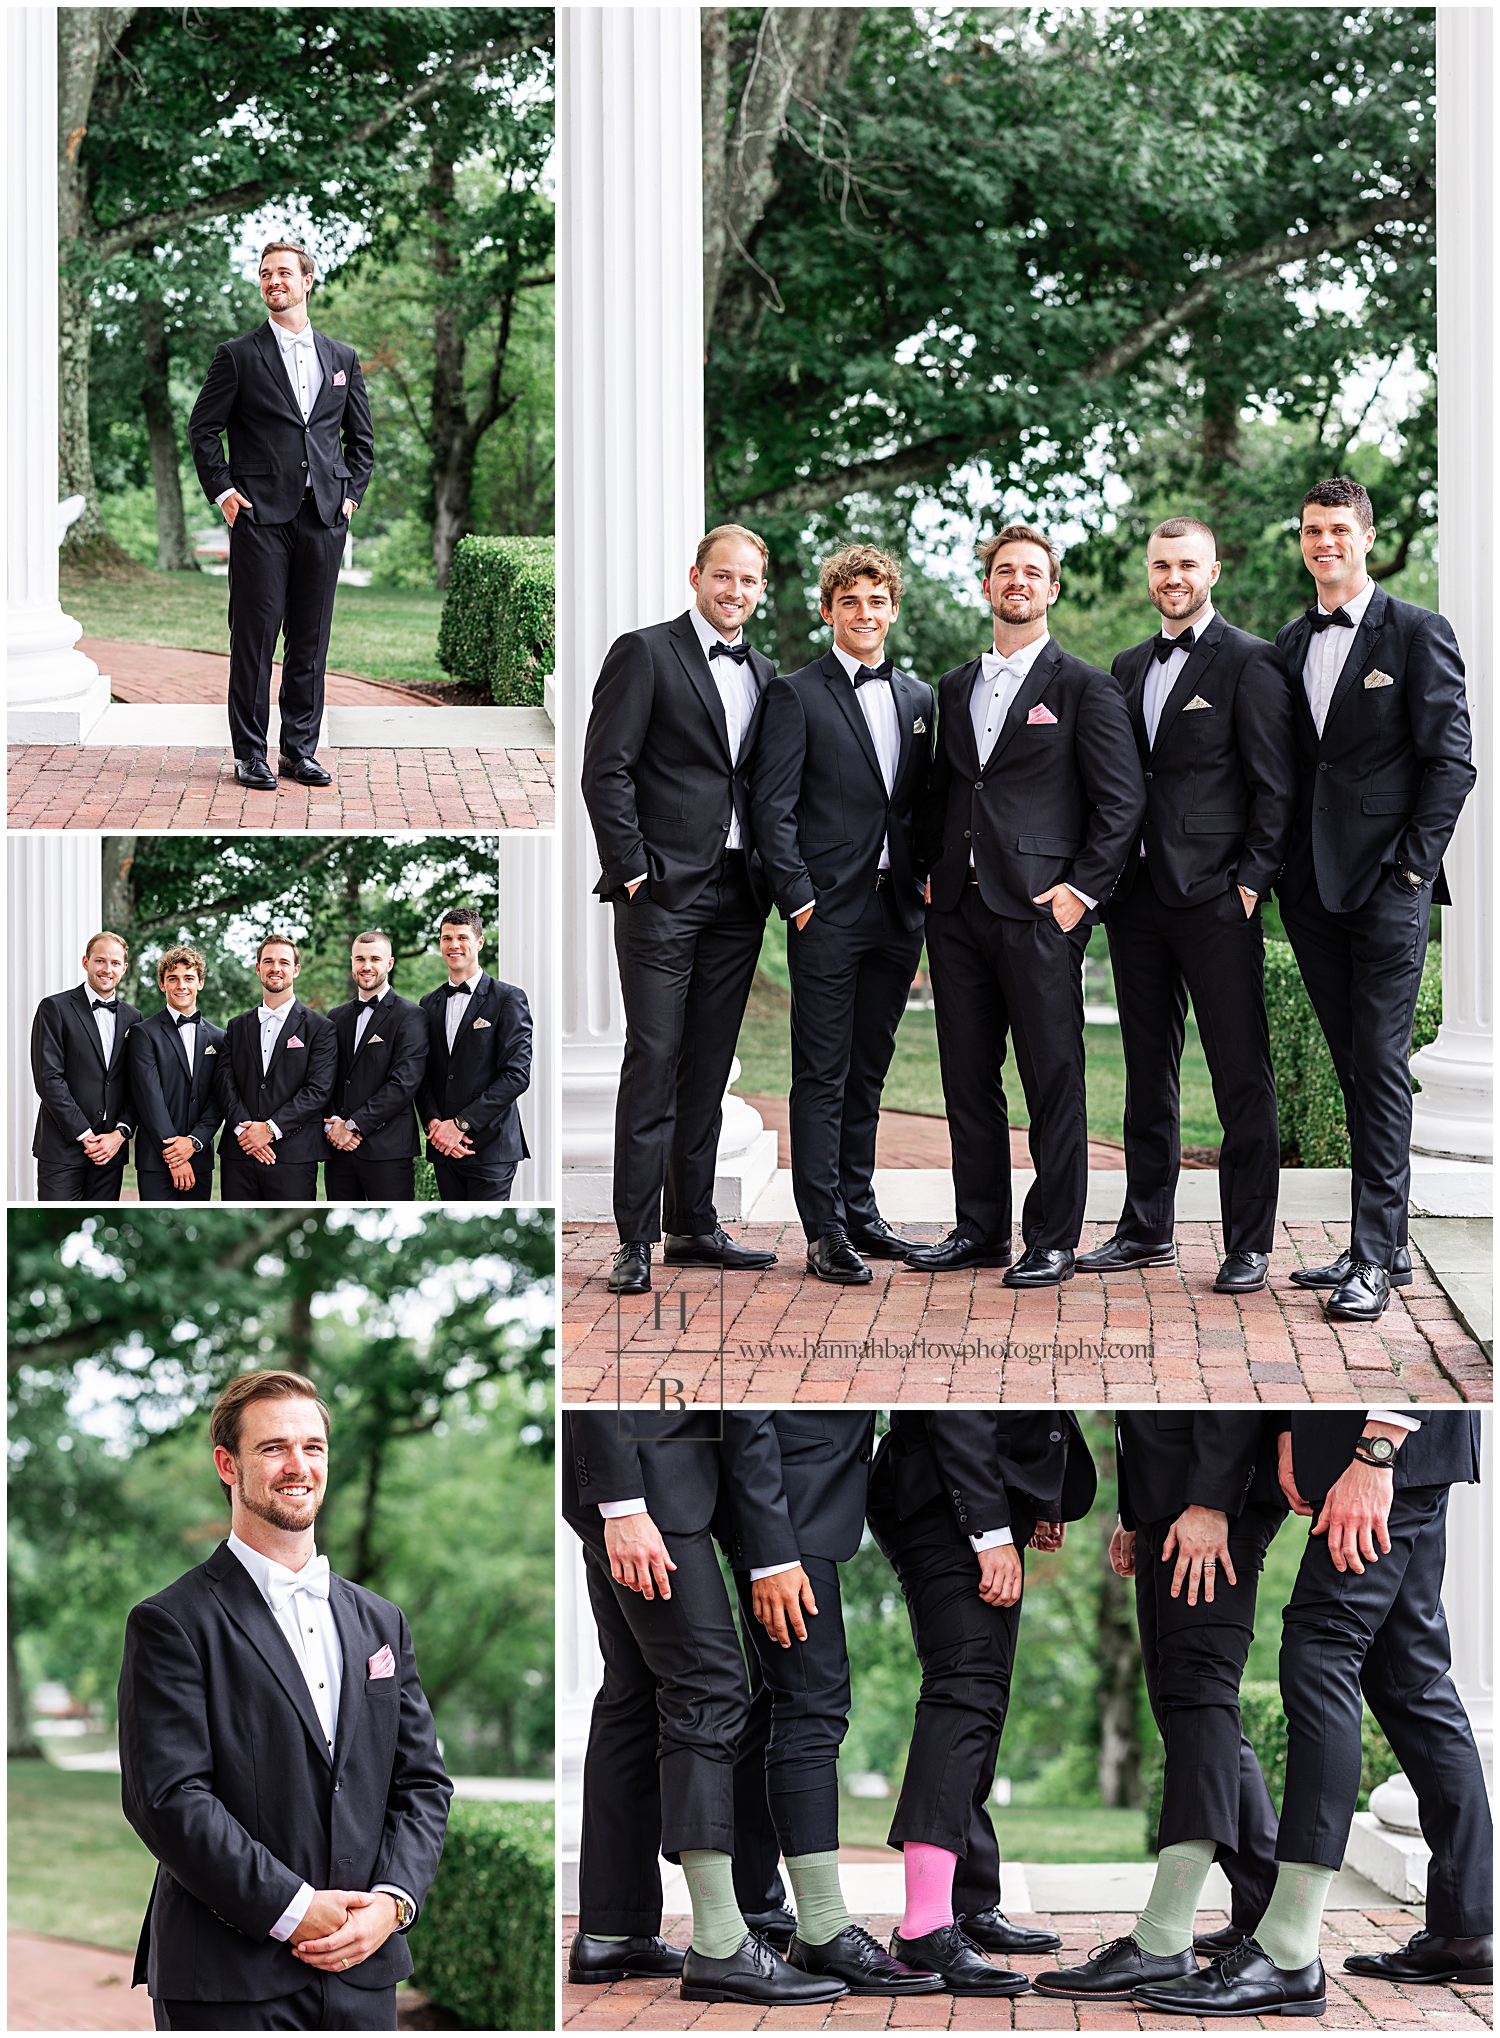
x,y
1288,1933
1166,1924
821,1915
718,1927
610,1938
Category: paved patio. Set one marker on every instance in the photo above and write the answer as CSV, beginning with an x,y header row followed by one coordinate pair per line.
x,y
156,672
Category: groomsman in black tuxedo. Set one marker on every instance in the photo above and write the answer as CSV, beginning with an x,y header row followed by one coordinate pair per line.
x,y
954,1498
1211,709
1199,1504
1033,806
79,1067
478,1064
174,1058
292,403
275,1075
1365,1625
840,764
1383,734
664,779
382,1041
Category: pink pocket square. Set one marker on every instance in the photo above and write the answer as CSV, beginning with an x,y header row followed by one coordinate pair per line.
x,y
339,377
383,1663
1039,714
295,1042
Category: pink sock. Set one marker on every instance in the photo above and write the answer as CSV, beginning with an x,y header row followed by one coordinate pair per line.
x,y
929,1888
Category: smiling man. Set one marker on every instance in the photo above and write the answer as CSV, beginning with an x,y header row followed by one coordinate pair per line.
x,y
274,1739
174,1057
478,1066
79,1068
276,1075
382,1037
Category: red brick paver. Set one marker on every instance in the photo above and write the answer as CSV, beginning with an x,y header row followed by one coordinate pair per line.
x,y
123,786
155,672
60,1985
1354,2003
912,1139
1157,1335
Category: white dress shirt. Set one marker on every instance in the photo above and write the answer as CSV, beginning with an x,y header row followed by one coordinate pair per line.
x,y
1000,680
105,1021
272,1019
188,1037
878,705
459,1008
1394,1417
1327,651
367,1013
1162,675
737,690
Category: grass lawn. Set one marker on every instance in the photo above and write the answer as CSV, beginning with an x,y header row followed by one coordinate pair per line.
x,y
1025,1832
380,633
77,1871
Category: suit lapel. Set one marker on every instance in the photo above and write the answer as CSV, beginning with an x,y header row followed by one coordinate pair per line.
x,y
270,348
905,698
694,662
841,687
345,1611
1356,664
91,1024
1030,691
295,1011
323,348
962,717
478,999
175,1031
1194,666
240,1598
1296,658
359,1041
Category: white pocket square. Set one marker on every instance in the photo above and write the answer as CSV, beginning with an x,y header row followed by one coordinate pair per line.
x,y
1378,678
480,1022
919,727
1197,702
210,1050
374,1039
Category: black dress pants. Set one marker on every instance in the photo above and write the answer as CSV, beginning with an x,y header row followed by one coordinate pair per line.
x,y
1212,952
473,1181
758,1885
1383,1635
849,989
1194,1659
347,1178
991,976
966,1650
243,1180
658,1776
327,2002
685,977
154,1181
80,1181
1363,971
282,579
810,1699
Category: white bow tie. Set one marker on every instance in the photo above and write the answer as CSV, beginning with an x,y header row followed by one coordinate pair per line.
x,y
302,339
312,1578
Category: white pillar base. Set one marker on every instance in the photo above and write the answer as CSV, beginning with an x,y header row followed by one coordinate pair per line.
x,y
1394,1862
1453,1115
53,693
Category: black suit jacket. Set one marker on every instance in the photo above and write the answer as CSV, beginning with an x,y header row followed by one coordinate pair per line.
x,y
818,804
800,1481
295,1088
1057,802
490,1067
226,1777
1221,781
1387,780
658,779
1169,1459
78,1093
377,1087
1443,1452
170,1100
982,1462
272,454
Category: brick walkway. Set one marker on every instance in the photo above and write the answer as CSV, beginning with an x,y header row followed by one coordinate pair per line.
x,y
119,786
155,672
1354,2003
910,1139
1158,1335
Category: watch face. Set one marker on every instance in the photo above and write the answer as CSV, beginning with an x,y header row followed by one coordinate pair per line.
x,y
1380,1447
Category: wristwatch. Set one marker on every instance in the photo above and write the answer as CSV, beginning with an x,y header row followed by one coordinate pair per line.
x,y
1411,879
1377,1451
406,1910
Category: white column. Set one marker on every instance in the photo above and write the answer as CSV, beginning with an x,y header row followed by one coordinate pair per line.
x,y
1469,1595
53,693
580,1672
527,955
1454,1114
54,898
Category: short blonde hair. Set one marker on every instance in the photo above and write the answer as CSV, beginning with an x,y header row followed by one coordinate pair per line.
x,y
858,562
107,934
732,531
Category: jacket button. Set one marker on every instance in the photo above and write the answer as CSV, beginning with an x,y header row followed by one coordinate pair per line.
x,y
1054,1436
1148,774
304,463
979,785
864,1457
1322,767
968,835
956,1494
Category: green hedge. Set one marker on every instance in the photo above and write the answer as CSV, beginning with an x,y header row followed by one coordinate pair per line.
x,y
1264,1723
483,1946
1309,1101
499,623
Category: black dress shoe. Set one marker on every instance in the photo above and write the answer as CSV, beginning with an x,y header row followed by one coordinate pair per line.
x,y
994,1931
754,1974
957,1251
1217,1944
305,770
1242,1274
1245,1983
1118,1255
964,1971
832,1258
864,1966
713,1249
878,1242
255,773
1427,1956
630,1269
604,1960
1362,1296
1040,1268
1113,1972
778,1928
1338,1270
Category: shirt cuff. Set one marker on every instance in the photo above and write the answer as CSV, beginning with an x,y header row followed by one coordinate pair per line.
x,y
1090,903
795,910
390,1889
636,880
616,1510
774,1570
992,1539
1394,1417
274,1128
84,1135
219,502
294,1913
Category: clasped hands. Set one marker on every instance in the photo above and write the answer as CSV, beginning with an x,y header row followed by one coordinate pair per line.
x,y
452,1144
178,1155
101,1147
254,1137
342,1927
341,1135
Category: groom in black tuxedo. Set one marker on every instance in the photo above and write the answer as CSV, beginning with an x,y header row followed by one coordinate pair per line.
x,y
301,452
665,782
840,764
80,1070
277,1755
478,1065
382,1037
276,1073
174,1058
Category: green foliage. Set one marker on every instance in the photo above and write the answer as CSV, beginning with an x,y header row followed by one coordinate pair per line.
x,y
483,1946
500,618
401,556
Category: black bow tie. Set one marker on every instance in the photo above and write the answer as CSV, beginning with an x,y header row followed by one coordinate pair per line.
x,y
98,1005
1165,646
458,990
868,672
184,1018
1340,619
740,652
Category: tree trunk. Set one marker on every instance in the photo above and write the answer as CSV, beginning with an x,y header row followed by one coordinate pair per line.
x,y
173,552
299,1332
1119,1691
20,1743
